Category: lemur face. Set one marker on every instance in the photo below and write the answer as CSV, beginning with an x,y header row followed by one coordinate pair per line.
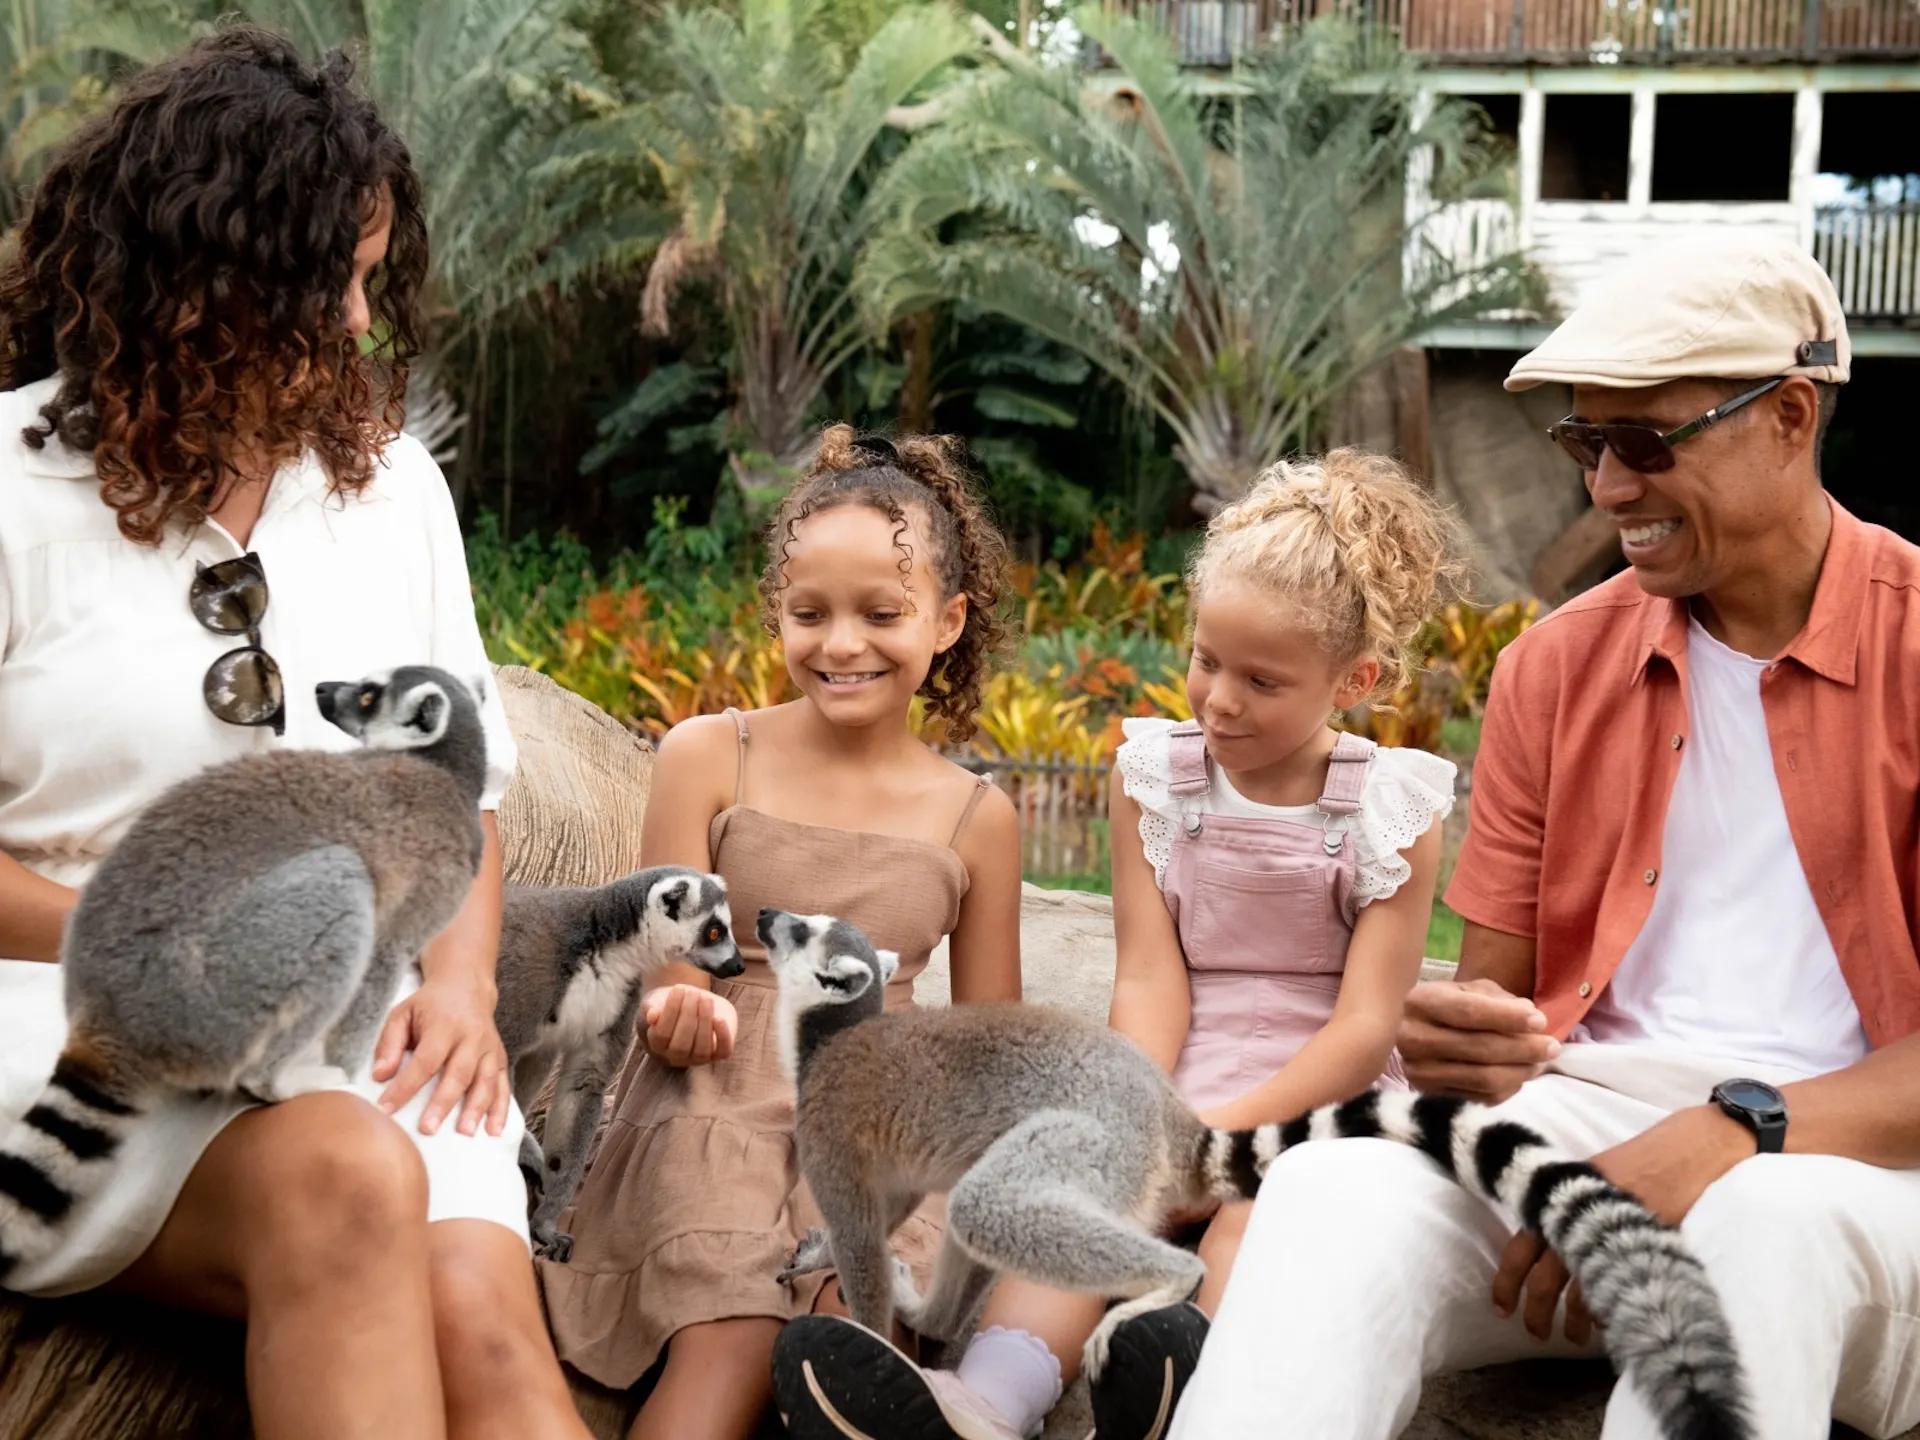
x,y
691,908
404,709
820,960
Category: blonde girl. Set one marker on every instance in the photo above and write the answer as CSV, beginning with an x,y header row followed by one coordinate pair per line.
x,y
1272,883
882,581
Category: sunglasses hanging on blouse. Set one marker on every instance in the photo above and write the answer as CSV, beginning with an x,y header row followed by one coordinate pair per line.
x,y
243,686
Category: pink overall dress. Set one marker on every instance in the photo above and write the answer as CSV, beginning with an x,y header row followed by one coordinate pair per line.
x,y
1264,909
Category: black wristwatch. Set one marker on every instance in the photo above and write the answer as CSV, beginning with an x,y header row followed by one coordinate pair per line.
x,y
1759,1107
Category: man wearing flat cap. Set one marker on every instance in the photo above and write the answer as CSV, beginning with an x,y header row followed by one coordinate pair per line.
x,y
1689,884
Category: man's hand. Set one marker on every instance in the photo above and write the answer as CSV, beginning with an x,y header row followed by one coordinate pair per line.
x,y
1666,1168
690,1025
448,1025
1472,1038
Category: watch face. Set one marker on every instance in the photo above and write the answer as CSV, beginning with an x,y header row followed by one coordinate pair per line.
x,y
1752,1095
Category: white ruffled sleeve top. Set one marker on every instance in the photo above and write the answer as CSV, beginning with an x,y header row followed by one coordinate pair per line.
x,y
1405,792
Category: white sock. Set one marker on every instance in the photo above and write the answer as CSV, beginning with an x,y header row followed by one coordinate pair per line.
x,y
1013,1371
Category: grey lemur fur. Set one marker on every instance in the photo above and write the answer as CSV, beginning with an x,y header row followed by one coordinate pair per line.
x,y
250,932
1062,1148
572,963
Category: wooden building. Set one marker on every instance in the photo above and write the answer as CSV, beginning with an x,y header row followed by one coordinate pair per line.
x,y
1628,121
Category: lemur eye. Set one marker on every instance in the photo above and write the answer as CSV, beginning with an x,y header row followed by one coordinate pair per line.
x,y
366,699
714,932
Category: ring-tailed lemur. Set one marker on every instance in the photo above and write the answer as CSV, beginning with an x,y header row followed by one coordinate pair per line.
x,y
572,963
250,932
1062,1148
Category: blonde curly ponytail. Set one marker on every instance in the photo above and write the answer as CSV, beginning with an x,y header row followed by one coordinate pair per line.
x,y
1353,544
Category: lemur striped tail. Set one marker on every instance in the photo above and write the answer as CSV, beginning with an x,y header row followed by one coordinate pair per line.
x,y
1660,1317
46,1158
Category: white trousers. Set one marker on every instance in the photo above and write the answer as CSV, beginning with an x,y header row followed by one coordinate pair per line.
x,y
469,1177
1364,1269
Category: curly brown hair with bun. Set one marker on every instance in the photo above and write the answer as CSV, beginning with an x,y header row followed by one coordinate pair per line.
x,y
1358,548
184,267
923,475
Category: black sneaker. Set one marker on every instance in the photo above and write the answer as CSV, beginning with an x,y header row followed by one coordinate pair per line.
x,y
1149,1361
835,1380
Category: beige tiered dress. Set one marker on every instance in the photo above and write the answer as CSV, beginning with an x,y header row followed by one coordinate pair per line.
x,y
693,1203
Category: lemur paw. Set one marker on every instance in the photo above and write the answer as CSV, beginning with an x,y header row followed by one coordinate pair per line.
x,y
533,1172
1093,1359
908,1303
293,1081
814,1253
558,1249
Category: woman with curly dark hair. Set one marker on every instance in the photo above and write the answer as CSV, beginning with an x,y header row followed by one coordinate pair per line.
x,y
206,506
883,582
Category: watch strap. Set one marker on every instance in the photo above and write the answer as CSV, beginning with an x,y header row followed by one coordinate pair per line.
x,y
1769,1130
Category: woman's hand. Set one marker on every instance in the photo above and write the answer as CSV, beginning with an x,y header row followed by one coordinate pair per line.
x,y
448,1025
689,1025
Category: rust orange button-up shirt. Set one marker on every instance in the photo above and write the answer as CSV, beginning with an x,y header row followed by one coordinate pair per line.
x,y
1582,740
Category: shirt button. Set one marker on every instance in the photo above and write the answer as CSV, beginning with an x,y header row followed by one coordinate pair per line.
x,y
1651,876
1585,989
1678,741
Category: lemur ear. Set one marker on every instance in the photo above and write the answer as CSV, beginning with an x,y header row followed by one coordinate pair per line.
x,y
889,964
847,976
672,896
426,710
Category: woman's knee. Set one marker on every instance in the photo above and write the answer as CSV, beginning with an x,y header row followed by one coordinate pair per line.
x,y
331,1178
486,1314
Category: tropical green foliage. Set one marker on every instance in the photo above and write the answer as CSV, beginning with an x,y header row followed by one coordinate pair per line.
x,y
671,240
52,75
763,136
1233,260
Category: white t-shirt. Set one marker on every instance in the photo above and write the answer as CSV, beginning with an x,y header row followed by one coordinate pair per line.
x,y
101,659
1733,959
1404,793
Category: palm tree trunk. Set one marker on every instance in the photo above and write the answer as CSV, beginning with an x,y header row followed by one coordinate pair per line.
x,y
778,389
915,416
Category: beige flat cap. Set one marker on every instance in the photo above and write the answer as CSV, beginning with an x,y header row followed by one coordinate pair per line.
x,y
1720,304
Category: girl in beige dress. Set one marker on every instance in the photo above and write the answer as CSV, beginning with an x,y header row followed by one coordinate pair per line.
x,y
882,583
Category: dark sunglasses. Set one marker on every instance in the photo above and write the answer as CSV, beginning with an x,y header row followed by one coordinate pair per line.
x,y
1641,447
242,687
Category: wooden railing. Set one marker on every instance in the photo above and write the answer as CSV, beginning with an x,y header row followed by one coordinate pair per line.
x,y
1872,252
1062,806
1466,235
1212,32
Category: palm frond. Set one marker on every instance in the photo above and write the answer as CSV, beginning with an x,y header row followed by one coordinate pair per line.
x,y
1233,264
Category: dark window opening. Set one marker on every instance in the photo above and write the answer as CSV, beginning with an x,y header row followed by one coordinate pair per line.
x,y
1584,151
1722,147
1864,463
1871,144
1502,115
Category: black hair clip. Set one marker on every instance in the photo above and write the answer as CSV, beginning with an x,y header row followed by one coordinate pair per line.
x,y
879,447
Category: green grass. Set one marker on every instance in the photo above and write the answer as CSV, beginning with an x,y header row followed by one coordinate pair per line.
x,y
1443,934
1460,735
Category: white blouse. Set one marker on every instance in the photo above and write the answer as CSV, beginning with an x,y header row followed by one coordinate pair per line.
x,y
101,659
1405,792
